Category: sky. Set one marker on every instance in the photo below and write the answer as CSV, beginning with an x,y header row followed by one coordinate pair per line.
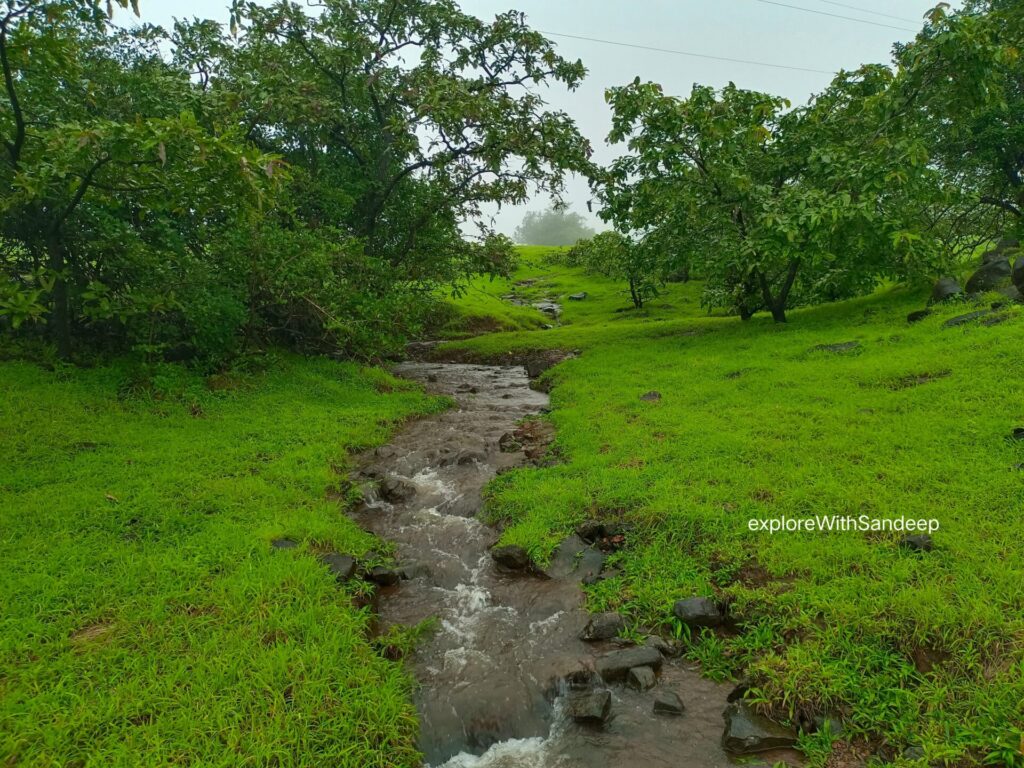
x,y
805,34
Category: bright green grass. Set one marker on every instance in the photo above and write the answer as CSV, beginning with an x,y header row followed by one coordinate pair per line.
x,y
753,423
144,618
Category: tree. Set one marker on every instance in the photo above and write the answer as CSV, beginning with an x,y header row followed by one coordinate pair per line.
x,y
777,206
100,147
555,226
961,84
305,179
616,256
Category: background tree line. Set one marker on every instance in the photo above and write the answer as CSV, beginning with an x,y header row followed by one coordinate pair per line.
x,y
300,178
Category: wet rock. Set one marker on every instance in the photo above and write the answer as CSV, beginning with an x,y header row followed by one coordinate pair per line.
x,y
410,571
640,679
548,307
512,558
1017,275
918,315
507,443
385,577
574,558
747,732
990,276
970,317
471,456
668,703
578,296
284,544
590,707
651,397
342,566
698,612
615,665
839,348
918,542
660,644
603,626
397,489
946,288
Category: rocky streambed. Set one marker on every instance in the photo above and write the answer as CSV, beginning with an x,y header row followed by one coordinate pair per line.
x,y
517,674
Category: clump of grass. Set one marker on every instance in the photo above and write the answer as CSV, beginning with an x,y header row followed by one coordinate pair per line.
x,y
144,617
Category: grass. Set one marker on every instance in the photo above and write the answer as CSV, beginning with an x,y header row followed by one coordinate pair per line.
x,y
912,649
145,618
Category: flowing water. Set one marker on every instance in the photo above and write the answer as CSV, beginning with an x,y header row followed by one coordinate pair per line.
x,y
489,677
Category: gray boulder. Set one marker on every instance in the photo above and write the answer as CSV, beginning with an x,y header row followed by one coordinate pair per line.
x,y
1012,293
342,566
991,275
918,542
843,346
651,397
698,612
578,296
640,678
945,288
284,544
615,665
747,732
918,315
590,707
603,626
663,646
668,703
970,317
1017,275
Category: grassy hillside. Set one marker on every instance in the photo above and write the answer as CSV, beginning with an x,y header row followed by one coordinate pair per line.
x,y
144,617
916,650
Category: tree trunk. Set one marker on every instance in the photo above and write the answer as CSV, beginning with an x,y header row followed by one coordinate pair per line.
x,y
777,304
60,312
638,300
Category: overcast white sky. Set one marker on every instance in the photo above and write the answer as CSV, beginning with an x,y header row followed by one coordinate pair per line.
x,y
796,33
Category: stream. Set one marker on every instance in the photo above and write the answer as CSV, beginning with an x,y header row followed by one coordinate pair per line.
x,y
491,691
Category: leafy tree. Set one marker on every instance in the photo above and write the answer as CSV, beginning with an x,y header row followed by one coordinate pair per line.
x,y
777,206
104,162
961,84
306,179
616,256
555,226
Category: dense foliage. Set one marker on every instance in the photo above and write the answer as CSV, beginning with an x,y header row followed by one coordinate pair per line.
x,y
887,174
305,177
555,226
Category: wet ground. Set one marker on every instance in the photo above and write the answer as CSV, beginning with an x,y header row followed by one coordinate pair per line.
x,y
489,677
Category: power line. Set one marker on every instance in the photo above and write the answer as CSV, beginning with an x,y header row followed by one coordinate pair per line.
x,y
688,53
868,11
835,15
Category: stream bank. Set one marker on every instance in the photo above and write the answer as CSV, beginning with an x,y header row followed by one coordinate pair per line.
x,y
492,679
